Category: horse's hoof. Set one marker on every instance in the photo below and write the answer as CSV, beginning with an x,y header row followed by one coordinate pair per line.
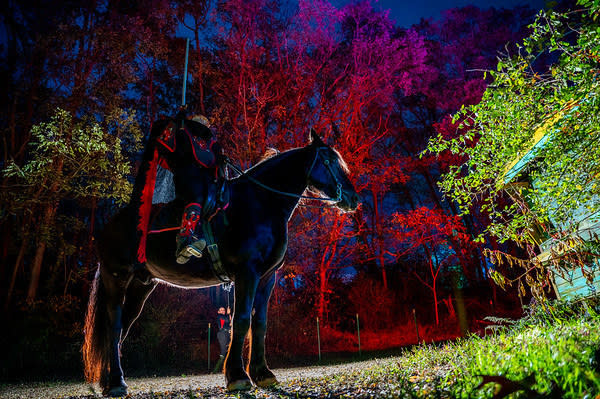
x,y
267,382
115,392
239,385
263,377
118,388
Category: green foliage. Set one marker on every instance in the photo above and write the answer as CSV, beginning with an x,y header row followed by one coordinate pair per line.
x,y
71,164
71,159
553,353
523,104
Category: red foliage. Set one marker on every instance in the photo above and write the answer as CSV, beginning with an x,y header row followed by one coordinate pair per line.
x,y
424,226
269,75
441,236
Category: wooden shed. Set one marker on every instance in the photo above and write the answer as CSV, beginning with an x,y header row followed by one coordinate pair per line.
x,y
569,282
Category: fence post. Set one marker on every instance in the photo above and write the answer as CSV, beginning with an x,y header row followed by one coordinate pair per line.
x,y
208,361
358,332
416,325
319,339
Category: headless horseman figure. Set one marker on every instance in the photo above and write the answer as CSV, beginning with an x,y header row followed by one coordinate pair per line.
x,y
189,150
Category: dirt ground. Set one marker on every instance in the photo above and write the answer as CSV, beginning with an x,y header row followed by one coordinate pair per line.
x,y
211,385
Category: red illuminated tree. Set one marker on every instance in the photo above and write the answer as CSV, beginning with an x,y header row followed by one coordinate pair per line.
x,y
432,235
323,67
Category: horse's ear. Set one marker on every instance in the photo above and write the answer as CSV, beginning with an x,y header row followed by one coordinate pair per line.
x,y
314,137
336,132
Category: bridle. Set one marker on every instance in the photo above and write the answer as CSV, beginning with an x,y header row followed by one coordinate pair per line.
x,y
327,164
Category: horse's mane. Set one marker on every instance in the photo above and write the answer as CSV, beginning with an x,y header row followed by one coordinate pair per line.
x,y
270,152
267,161
273,155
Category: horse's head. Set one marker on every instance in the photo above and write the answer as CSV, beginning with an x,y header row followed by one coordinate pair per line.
x,y
329,175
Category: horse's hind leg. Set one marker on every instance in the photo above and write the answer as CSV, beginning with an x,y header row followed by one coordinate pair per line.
x,y
258,370
135,297
116,283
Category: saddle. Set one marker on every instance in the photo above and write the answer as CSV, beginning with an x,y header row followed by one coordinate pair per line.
x,y
167,217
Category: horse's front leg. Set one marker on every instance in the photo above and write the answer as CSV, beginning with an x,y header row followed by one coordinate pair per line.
x,y
259,372
245,289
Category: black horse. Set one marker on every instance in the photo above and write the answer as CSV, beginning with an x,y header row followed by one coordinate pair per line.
x,y
252,240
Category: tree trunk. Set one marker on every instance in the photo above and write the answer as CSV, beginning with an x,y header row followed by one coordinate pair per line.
x,y
434,289
25,240
379,245
6,241
47,221
39,253
18,264
435,195
434,276
91,230
324,266
322,289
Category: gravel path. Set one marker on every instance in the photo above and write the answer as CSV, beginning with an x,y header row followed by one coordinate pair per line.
x,y
211,385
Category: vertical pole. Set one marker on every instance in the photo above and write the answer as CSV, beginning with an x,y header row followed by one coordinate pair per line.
x,y
319,339
461,311
187,50
358,332
208,349
416,325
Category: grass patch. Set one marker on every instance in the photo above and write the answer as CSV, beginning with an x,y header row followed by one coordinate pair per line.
x,y
552,353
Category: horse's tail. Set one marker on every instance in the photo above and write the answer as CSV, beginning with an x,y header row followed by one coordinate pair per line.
x,y
96,344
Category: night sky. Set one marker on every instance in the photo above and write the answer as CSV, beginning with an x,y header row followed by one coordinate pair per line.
x,y
407,13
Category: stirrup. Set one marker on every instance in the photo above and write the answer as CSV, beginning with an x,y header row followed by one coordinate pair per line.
x,y
194,249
